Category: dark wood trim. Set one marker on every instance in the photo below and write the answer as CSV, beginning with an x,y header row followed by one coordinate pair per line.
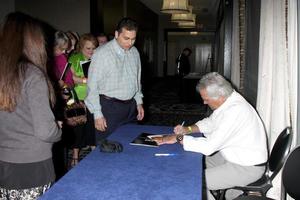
x,y
96,16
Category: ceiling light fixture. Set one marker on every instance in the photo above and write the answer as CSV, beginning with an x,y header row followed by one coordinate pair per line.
x,y
189,17
187,24
174,6
194,33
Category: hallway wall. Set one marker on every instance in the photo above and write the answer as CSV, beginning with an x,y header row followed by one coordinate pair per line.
x,y
200,45
61,14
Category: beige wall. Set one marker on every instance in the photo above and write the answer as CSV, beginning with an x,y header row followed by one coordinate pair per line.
x,y
61,14
200,45
6,6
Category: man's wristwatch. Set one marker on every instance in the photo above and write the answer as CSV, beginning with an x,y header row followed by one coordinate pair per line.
x,y
179,138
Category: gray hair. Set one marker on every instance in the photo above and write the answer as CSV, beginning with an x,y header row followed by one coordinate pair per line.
x,y
60,39
215,85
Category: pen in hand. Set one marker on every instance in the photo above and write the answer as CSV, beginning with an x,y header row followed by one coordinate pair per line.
x,y
182,124
181,130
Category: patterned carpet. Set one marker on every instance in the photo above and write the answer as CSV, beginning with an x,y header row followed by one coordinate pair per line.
x,y
165,106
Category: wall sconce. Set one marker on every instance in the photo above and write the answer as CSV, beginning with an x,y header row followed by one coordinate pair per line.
x,y
174,6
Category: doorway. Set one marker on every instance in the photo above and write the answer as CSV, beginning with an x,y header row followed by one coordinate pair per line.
x,y
199,42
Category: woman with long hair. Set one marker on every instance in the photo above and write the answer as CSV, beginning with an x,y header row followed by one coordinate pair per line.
x,y
28,127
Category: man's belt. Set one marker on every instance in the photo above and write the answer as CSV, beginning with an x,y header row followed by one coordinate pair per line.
x,y
115,99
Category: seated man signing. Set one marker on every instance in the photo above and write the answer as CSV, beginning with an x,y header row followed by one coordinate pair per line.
x,y
234,139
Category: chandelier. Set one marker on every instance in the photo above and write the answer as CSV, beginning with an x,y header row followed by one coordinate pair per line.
x,y
174,6
184,17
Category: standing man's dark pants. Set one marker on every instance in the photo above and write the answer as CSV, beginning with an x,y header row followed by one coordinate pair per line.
x,y
116,113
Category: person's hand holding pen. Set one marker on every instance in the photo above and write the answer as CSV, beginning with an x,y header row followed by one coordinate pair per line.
x,y
171,138
179,129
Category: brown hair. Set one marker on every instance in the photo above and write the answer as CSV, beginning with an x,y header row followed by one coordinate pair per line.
x,y
22,41
73,37
128,24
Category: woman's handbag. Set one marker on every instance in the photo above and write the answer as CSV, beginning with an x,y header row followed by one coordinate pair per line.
x,y
75,111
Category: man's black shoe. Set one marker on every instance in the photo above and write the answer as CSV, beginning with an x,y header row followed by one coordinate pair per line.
x,y
110,146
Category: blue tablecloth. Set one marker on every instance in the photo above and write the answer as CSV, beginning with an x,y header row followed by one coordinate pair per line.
x,y
135,174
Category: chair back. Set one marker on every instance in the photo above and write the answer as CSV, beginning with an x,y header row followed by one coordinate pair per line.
x,y
280,151
291,175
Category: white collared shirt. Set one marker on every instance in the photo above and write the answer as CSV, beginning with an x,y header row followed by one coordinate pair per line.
x,y
234,129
